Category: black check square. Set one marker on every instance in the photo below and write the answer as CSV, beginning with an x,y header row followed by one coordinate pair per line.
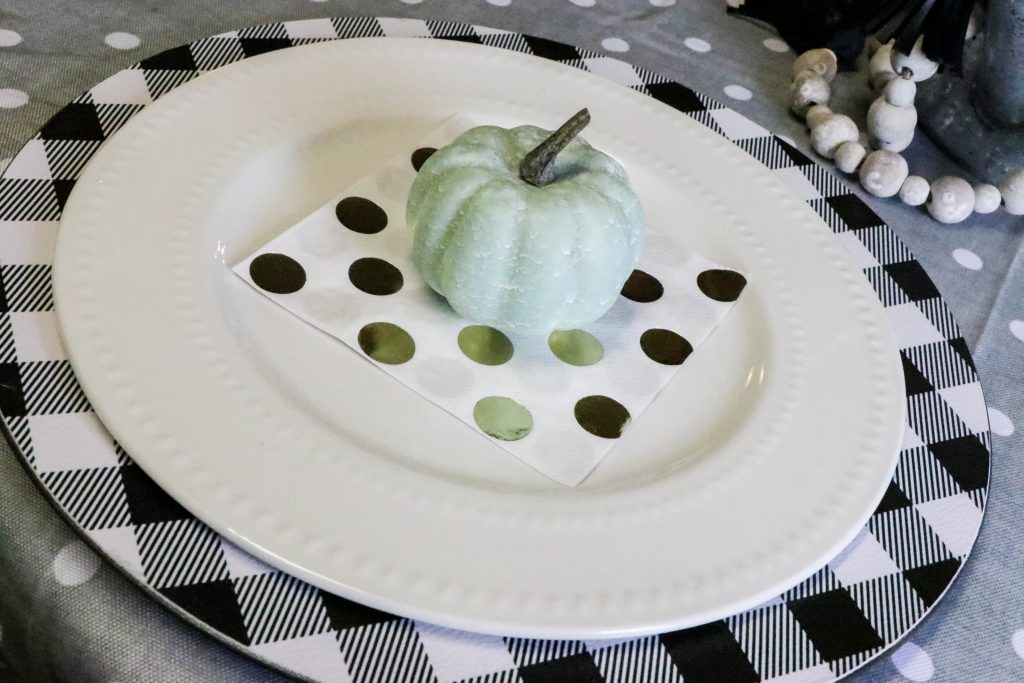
x,y
345,614
676,96
147,502
549,49
798,157
175,59
966,459
73,122
213,603
12,393
894,499
914,379
258,46
912,279
960,346
931,580
855,213
835,624
709,654
62,189
579,668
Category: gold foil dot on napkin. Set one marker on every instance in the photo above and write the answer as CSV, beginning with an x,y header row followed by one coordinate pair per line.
x,y
575,347
386,343
375,276
721,285
277,273
502,418
642,287
361,215
420,156
602,416
665,346
485,345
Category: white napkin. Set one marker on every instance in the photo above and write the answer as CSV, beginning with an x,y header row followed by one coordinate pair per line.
x,y
563,417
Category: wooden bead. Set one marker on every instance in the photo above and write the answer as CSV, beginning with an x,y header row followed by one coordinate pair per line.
x,y
880,66
807,90
975,23
821,61
1012,190
849,155
816,115
915,190
832,132
900,92
986,198
952,199
891,127
871,44
883,173
921,68
879,83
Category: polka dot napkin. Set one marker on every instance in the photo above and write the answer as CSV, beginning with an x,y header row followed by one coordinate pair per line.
x,y
558,403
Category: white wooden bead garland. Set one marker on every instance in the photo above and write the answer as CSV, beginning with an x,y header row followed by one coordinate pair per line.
x,y
891,122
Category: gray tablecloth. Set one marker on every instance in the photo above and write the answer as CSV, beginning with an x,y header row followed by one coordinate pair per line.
x,y
66,615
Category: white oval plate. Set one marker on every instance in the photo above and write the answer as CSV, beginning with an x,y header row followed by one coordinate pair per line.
x,y
760,461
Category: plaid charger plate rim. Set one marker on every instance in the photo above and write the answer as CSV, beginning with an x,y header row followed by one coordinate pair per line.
x,y
865,600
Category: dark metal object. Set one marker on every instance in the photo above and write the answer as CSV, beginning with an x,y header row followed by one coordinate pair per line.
x,y
1000,96
978,118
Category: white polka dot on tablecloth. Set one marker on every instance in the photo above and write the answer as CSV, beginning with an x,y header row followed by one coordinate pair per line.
x,y
583,3
1017,640
737,92
663,3
119,40
697,44
9,38
1000,423
11,98
912,662
75,564
776,44
967,258
412,2
615,44
1017,328
499,3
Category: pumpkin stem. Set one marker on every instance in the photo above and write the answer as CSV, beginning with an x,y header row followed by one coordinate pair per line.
x,y
537,167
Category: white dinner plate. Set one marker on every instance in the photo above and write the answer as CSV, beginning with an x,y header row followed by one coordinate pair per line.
x,y
761,460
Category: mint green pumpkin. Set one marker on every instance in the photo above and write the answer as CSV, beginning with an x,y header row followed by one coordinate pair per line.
x,y
520,257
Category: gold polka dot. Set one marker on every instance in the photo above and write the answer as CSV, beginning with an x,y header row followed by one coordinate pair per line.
x,y
721,285
642,287
361,215
420,156
665,346
485,345
575,347
502,418
277,273
375,276
602,416
386,343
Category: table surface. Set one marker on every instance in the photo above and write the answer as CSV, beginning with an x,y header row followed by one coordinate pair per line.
x,y
66,615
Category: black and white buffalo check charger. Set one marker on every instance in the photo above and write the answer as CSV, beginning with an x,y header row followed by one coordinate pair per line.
x,y
862,602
